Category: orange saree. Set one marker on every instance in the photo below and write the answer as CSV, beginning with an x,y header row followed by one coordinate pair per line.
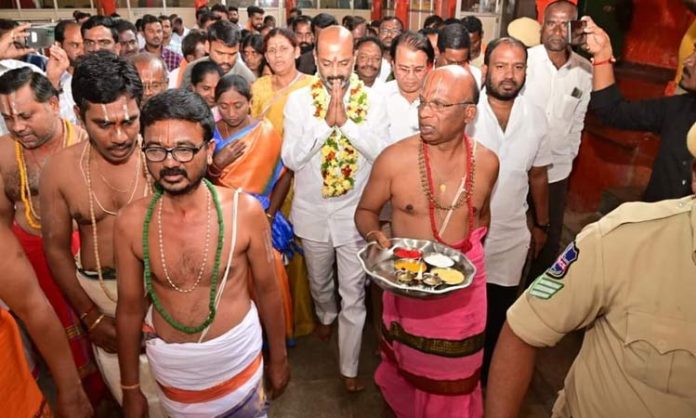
x,y
256,172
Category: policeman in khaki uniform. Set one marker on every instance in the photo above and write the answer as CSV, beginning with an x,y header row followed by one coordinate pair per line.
x,y
630,280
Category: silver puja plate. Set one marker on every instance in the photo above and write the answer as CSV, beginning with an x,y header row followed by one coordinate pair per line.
x,y
378,263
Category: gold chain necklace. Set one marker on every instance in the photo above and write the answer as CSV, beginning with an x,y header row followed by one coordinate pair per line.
x,y
92,198
86,153
160,236
95,235
33,218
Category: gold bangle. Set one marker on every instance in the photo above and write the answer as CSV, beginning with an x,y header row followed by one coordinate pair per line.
x,y
87,312
130,387
95,323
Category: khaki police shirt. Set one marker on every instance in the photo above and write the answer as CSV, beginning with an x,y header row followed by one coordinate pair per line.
x,y
631,280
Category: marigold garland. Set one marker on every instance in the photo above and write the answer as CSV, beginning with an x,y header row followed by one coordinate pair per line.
x,y
339,159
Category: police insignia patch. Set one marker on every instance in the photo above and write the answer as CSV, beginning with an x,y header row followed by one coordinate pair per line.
x,y
559,269
544,287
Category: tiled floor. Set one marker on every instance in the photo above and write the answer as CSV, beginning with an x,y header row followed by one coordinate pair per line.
x,y
316,390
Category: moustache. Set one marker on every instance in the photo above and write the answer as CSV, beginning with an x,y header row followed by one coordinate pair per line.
x,y
341,78
173,171
368,67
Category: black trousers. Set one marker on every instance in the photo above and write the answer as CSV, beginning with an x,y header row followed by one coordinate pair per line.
x,y
558,192
500,298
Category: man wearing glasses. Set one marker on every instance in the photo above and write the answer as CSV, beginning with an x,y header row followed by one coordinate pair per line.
x,y
439,183
108,174
389,29
153,74
515,129
203,342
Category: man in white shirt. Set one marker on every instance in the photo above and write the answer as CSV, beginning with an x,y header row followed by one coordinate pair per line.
x,y
389,29
334,130
179,32
516,129
560,82
453,44
66,53
413,59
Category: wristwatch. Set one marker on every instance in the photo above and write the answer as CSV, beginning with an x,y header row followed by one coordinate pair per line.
x,y
544,227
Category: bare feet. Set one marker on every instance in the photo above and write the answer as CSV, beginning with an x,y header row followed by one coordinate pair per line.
x,y
323,332
353,384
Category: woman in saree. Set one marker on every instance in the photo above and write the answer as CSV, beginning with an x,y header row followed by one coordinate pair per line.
x,y
269,95
247,156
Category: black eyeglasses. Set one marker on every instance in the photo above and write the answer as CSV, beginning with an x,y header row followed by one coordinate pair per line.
x,y
439,106
181,154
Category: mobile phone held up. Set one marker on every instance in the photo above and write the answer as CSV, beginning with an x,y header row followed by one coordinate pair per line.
x,y
576,32
40,37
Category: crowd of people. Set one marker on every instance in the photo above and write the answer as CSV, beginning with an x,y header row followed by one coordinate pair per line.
x,y
270,156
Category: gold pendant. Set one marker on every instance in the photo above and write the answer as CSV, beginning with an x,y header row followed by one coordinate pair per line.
x,y
443,187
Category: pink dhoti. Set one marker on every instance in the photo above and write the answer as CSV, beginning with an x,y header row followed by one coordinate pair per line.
x,y
432,350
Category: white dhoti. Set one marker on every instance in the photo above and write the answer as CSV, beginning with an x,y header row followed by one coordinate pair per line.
x,y
219,377
108,362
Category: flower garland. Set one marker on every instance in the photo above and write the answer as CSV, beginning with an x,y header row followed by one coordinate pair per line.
x,y
147,265
339,159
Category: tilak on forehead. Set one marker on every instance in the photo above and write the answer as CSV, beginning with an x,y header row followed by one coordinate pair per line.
x,y
106,113
125,118
12,102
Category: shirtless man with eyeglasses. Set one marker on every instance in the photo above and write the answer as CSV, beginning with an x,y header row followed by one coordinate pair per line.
x,y
432,350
